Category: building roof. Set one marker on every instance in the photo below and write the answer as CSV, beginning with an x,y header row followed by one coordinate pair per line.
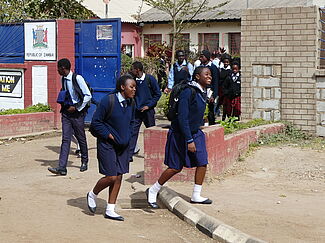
x,y
124,9
230,11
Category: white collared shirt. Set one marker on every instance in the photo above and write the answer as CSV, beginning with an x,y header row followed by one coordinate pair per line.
x,y
120,98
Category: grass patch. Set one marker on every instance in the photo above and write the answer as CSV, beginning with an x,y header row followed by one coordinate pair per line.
x,y
231,125
30,109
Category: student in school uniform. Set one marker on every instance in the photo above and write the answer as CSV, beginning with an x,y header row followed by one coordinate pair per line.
x,y
225,71
232,94
146,98
113,139
185,144
205,57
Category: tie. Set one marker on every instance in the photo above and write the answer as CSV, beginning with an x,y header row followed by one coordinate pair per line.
x,y
124,103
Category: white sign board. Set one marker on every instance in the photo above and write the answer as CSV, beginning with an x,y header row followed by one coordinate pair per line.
x,y
40,41
11,83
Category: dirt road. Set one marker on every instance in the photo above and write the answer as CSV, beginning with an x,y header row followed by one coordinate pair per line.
x,y
36,206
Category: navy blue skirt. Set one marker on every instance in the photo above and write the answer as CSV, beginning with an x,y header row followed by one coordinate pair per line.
x,y
112,160
177,155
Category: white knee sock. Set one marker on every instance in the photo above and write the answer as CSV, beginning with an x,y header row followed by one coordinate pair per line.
x,y
92,199
153,191
196,196
110,210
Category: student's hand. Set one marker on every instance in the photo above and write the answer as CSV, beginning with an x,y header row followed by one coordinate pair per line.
x,y
144,108
110,136
167,90
71,109
211,100
191,147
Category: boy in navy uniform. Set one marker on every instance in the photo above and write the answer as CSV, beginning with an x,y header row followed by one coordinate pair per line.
x,y
73,117
205,62
180,70
113,136
147,95
185,144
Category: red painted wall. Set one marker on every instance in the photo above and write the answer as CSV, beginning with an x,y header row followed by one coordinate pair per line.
x,y
222,150
131,35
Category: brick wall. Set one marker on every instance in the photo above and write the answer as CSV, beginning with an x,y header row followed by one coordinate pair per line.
x,y
222,150
285,39
21,124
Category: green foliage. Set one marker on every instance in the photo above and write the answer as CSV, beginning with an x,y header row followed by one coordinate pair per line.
x,y
150,64
19,10
162,105
232,125
30,109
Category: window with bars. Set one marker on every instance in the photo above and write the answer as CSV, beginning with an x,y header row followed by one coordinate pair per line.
x,y
150,39
183,42
209,41
234,44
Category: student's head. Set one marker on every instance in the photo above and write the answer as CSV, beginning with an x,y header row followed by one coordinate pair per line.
x,y
205,56
137,69
126,86
180,55
235,67
202,75
64,67
225,59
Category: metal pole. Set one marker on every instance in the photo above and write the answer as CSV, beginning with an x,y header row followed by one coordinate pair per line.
x,y
106,10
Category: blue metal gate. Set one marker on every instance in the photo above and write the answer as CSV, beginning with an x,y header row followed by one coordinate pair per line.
x,y
98,55
12,43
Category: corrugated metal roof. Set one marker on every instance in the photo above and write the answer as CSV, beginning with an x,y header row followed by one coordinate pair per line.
x,y
123,9
232,10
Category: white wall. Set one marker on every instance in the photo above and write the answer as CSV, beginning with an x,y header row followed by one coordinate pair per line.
x,y
223,28
39,85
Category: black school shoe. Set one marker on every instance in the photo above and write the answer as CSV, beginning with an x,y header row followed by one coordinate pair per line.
x,y
83,167
119,218
58,171
207,201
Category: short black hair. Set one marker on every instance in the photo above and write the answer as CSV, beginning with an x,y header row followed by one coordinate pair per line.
x,y
179,51
138,65
225,56
122,81
65,63
198,70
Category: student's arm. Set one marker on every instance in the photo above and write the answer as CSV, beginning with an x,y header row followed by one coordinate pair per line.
x,y
184,113
190,69
155,91
171,77
98,123
84,88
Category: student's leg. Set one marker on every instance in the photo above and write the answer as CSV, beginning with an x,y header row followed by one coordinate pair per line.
x,y
79,132
135,133
66,140
112,197
154,189
199,178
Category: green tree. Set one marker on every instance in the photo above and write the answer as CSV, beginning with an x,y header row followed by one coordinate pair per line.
x,y
19,10
182,13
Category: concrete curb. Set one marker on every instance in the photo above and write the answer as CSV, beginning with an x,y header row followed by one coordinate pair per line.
x,y
205,223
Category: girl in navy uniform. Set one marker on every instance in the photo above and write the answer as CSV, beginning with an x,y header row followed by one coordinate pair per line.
x,y
232,92
185,144
113,135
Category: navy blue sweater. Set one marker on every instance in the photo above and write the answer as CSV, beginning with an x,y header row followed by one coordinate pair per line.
x,y
119,124
146,97
190,113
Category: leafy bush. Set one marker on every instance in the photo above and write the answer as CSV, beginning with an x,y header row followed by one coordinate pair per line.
x,y
30,109
150,64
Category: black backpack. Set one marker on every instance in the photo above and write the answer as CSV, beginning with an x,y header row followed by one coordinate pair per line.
x,y
174,98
